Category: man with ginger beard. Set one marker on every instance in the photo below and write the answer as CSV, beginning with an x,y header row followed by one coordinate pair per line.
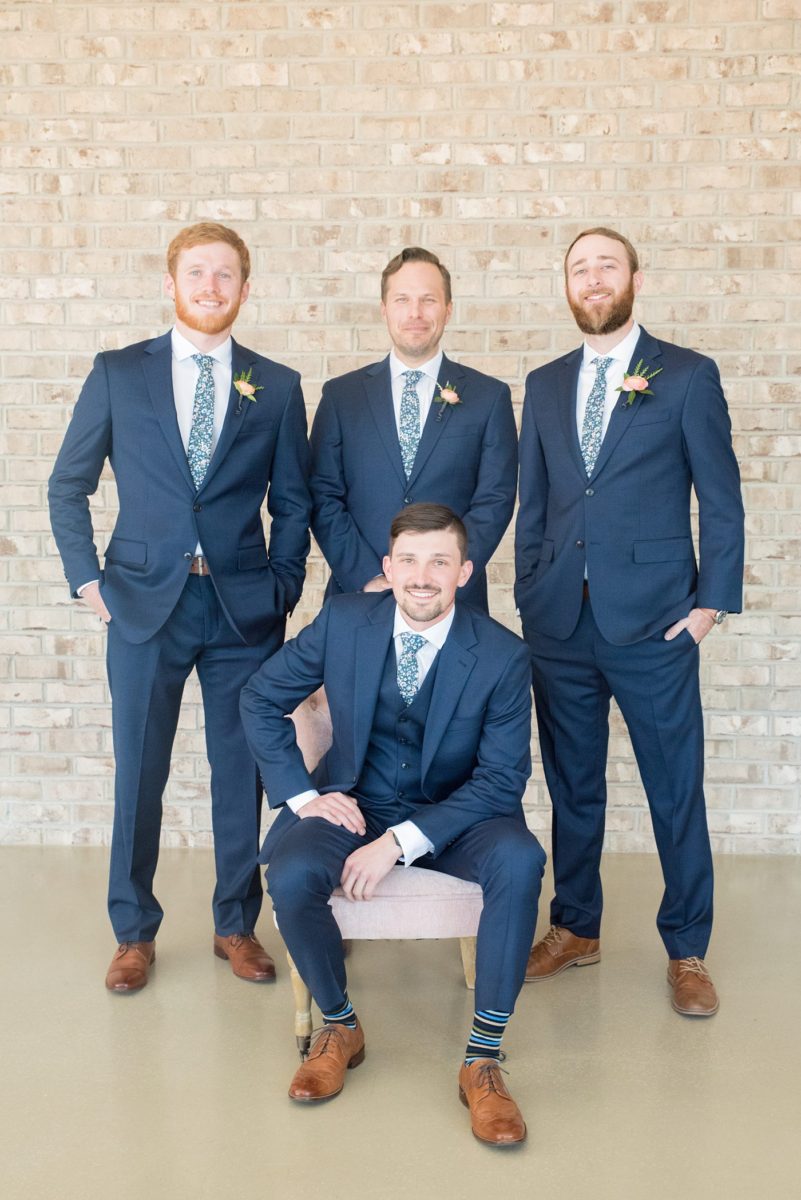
x,y
615,436
197,430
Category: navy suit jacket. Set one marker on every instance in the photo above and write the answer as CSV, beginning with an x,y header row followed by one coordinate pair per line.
x,y
630,521
475,758
467,459
126,414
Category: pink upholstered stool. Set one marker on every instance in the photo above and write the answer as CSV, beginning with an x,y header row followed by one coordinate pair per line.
x,y
410,903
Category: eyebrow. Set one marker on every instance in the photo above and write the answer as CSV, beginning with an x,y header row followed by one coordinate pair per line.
x,y
603,257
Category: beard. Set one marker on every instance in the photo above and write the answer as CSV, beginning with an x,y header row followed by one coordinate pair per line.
x,y
209,323
421,610
605,317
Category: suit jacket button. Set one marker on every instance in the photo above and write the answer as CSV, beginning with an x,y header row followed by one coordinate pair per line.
x,y
188,554
401,793
407,499
580,544
197,508
589,492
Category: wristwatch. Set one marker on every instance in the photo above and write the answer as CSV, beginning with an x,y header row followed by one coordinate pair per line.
x,y
720,616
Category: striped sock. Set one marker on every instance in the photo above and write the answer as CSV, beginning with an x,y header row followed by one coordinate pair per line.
x,y
341,1016
488,1029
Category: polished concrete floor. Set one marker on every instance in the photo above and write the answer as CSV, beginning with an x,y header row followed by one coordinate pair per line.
x,y
179,1092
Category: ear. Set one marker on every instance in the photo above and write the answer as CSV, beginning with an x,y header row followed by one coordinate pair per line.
x,y
169,286
386,564
637,280
243,295
465,573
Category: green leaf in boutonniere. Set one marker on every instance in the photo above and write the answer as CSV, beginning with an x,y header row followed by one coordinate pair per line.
x,y
638,382
448,396
246,389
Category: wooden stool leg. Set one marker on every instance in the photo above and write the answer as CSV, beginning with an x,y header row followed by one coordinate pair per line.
x,y
303,1017
468,949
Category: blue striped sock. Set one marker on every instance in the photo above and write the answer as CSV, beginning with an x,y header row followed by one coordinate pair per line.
x,y
488,1029
342,1016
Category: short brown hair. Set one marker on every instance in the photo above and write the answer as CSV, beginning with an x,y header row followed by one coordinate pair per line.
x,y
602,231
415,254
428,518
200,235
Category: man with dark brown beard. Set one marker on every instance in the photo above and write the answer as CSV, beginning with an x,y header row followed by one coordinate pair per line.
x,y
197,430
615,436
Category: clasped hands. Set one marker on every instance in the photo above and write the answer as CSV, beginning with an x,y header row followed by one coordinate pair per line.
x,y
364,869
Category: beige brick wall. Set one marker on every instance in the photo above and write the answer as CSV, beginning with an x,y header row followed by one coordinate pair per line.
x,y
330,136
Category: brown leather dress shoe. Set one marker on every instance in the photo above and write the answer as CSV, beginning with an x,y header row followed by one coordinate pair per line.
x,y
335,1049
130,966
557,951
694,992
248,958
494,1116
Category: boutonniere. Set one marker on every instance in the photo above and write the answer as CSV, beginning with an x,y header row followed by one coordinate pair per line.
x,y
638,381
448,395
246,389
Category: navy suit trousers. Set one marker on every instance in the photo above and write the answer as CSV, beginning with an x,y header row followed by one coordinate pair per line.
x,y
655,684
500,854
147,682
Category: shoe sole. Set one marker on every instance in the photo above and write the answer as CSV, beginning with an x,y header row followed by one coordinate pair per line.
x,y
585,961
354,1062
247,978
488,1141
690,1012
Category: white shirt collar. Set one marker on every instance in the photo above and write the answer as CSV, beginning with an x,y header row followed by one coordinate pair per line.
x,y
182,349
436,634
623,352
430,368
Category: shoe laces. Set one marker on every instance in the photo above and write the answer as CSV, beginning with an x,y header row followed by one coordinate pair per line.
x,y
553,938
488,1072
694,966
236,939
321,1038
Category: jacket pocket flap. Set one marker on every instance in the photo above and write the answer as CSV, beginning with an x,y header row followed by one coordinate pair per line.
x,y
663,550
250,557
121,550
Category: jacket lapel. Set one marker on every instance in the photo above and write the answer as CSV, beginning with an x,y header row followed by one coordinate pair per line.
x,y
648,349
456,662
439,414
157,367
372,646
236,413
568,391
378,385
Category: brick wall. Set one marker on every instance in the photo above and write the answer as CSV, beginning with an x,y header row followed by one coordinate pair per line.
x,y
330,136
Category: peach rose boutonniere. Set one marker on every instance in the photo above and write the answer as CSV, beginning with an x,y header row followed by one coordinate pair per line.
x,y
638,381
448,396
246,389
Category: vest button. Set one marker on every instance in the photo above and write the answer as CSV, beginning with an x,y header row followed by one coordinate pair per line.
x,y
401,793
197,508
580,544
589,492
404,766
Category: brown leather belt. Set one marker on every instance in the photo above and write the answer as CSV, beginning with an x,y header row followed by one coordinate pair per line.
x,y
586,590
199,566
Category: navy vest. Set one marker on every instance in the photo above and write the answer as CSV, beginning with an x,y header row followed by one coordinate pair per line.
x,y
389,788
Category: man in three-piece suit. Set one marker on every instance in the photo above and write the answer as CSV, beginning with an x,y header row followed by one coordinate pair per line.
x,y
197,429
615,437
431,710
415,427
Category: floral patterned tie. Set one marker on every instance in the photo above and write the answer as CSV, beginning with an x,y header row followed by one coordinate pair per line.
x,y
410,420
592,428
198,450
408,666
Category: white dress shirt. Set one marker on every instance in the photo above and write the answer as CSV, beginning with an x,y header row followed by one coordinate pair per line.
x,y
413,842
424,387
621,356
185,373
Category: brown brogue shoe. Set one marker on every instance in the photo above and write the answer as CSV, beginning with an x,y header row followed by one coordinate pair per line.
x,y
335,1049
248,958
494,1116
557,951
130,965
694,992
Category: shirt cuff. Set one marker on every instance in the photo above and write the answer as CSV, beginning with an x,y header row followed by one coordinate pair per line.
x,y
296,802
80,591
413,841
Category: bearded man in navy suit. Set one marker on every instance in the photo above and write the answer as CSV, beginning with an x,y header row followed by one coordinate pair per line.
x,y
416,427
197,430
615,437
431,712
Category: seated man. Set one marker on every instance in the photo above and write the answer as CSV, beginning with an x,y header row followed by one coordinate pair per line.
x,y
431,728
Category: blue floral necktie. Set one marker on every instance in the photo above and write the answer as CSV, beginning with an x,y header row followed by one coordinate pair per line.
x,y
408,666
592,428
409,431
198,449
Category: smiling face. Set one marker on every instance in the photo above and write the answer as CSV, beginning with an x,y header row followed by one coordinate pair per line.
x,y
600,286
208,291
424,570
416,311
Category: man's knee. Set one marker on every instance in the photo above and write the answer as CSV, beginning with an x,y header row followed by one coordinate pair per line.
x,y
516,859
